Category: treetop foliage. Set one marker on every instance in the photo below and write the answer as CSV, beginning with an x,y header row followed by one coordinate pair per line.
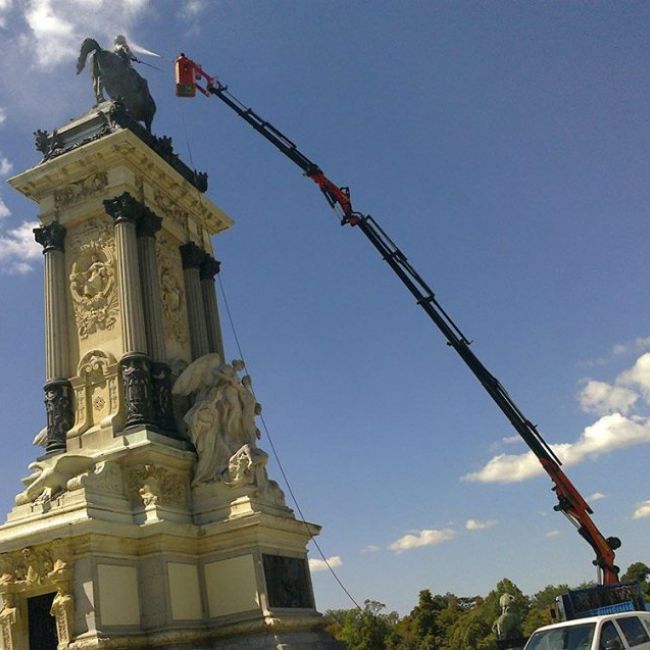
x,y
451,622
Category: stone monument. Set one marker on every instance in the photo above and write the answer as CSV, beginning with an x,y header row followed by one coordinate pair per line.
x,y
149,521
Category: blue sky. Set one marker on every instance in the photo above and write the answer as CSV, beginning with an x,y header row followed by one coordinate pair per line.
x,y
504,147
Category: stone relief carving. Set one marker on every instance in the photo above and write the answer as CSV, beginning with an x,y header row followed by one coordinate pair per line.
x,y
105,477
171,288
92,278
79,190
96,389
155,485
50,477
8,620
170,209
33,568
221,425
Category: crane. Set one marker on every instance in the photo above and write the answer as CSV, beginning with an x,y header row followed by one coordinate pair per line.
x,y
190,77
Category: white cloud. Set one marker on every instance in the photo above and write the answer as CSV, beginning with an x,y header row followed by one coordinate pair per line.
x,y
18,249
642,510
3,115
5,166
552,533
322,565
638,375
596,496
600,397
477,524
512,440
371,548
427,537
192,8
57,27
607,434
5,5
4,210
639,343
617,428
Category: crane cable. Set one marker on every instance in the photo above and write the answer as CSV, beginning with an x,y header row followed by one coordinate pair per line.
x,y
277,457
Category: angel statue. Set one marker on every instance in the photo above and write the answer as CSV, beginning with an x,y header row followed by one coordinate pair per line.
x,y
222,420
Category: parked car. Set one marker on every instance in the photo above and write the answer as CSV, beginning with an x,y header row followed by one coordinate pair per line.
x,y
622,631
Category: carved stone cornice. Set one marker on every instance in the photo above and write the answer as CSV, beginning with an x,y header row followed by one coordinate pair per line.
x,y
209,268
149,223
50,236
192,255
60,416
123,208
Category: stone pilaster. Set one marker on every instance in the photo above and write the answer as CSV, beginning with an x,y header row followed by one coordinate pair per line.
x,y
57,388
127,212
148,225
209,268
193,257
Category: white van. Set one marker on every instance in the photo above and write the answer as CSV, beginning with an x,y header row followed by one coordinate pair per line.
x,y
621,631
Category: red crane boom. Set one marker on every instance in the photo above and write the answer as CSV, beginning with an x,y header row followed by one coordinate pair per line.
x,y
190,77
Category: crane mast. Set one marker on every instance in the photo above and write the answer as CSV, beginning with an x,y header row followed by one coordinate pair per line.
x,y
190,77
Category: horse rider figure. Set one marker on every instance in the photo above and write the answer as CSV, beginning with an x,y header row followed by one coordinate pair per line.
x,y
122,49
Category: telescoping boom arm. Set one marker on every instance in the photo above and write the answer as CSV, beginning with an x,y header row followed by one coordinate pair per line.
x,y
190,77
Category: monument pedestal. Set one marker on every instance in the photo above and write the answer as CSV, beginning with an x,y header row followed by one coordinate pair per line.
x,y
118,550
150,522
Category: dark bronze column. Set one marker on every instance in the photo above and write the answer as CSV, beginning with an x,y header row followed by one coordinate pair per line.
x,y
193,257
58,390
136,370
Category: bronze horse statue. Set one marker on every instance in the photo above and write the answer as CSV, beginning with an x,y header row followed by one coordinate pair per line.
x,y
112,71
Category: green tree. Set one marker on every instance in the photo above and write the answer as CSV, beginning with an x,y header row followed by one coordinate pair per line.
x,y
363,629
541,605
638,572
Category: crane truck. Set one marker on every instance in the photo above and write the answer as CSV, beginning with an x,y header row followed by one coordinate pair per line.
x,y
190,79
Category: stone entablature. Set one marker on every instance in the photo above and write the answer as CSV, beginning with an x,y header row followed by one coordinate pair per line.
x,y
68,186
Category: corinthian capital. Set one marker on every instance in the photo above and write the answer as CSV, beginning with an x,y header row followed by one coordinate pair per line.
x,y
209,267
191,255
50,236
123,208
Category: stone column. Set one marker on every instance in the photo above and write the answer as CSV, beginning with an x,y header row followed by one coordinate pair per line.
x,y
147,227
58,390
209,268
193,257
136,371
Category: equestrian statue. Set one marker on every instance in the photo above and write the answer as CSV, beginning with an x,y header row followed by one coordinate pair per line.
x,y
111,71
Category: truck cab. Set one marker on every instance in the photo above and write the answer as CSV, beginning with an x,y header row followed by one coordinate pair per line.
x,y
622,631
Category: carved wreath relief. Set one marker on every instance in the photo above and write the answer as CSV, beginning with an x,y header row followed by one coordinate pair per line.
x,y
171,288
92,278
